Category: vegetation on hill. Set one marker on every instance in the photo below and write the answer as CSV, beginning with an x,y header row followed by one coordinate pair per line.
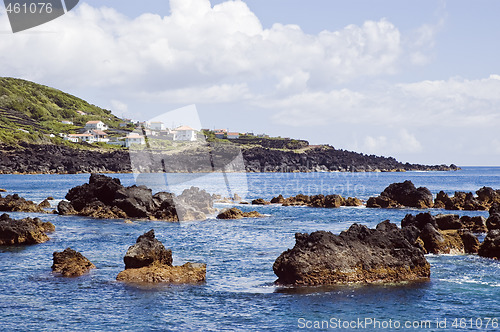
x,y
30,112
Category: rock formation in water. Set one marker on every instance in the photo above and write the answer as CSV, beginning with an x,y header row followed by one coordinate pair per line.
x,y
23,231
493,221
485,198
70,263
358,255
149,261
321,201
106,197
16,203
403,194
235,213
490,247
441,234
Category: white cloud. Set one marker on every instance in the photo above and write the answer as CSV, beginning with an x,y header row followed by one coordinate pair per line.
x,y
401,142
118,107
456,102
196,46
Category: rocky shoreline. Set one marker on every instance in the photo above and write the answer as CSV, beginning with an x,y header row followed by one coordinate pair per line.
x,y
59,159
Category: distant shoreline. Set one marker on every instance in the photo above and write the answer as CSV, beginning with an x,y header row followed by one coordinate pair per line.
x,y
57,159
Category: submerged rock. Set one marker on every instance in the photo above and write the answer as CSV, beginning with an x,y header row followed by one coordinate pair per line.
x,y
23,231
105,197
403,194
358,255
149,261
70,263
235,213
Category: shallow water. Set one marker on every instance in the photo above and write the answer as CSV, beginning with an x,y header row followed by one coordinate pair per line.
x,y
239,293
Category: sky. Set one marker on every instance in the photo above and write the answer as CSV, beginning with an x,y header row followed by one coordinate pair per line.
x,y
417,80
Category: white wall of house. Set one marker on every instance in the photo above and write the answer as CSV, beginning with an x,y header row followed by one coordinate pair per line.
x,y
96,125
134,139
185,135
157,126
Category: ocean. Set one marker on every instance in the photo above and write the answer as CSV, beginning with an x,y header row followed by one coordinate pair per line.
x,y
463,293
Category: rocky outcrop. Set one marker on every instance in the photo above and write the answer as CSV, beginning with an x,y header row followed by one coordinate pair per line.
x,y
70,263
490,247
403,194
485,198
476,224
358,255
148,261
105,197
441,234
146,251
23,231
321,201
260,201
235,213
188,273
16,203
493,221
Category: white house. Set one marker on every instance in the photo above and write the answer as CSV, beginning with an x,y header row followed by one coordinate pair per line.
x,y
184,133
99,135
67,122
99,125
133,138
157,125
87,137
233,135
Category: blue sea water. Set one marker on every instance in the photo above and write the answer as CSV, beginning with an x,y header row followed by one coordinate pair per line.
x,y
239,293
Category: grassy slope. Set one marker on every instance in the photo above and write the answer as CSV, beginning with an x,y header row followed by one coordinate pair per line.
x,y
39,110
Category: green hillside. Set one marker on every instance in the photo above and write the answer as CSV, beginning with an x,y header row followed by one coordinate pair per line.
x,y
31,112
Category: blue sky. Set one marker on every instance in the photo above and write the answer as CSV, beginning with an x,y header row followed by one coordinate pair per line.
x,y
418,80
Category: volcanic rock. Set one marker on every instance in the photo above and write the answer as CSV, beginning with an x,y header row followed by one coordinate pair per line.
x,y
15,203
23,231
44,204
490,247
467,201
493,221
403,194
321,201
475,224
146,251
442,234
358,255
189,273
149,261
70,263
260,201
105,197
235,213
